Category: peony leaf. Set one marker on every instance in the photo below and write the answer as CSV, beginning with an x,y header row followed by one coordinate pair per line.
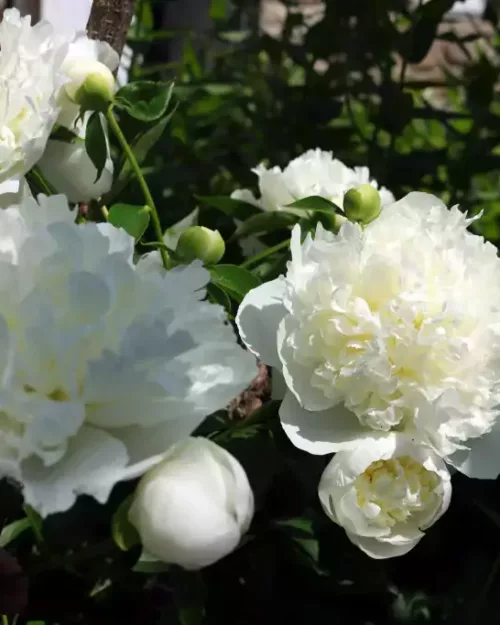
x,y
95,143
133,219
266,222
123,532
141,148
13,530
235,280
315,203
145,100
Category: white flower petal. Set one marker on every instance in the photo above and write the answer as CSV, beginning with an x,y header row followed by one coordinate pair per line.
x,y
258,318
482,458
381,550
322,431
92,465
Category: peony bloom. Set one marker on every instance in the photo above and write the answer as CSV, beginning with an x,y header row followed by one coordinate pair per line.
x,y
30,71
68,168
194,507
385,494
314,173
390,327
103,363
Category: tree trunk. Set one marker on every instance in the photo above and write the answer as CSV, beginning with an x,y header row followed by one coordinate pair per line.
x,y
109,21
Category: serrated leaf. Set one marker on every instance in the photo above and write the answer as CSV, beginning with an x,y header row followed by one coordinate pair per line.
x,y
230,206
315,203
123,532
265,222
95,143
133,219
13,530
145,100
234,280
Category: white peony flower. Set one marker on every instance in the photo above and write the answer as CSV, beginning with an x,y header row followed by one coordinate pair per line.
x,y
390,327
68,168
103,363
194,507
385,494
313,173
30,78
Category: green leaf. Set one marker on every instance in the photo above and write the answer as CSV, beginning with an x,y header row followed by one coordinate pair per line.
x,y
218,9
149,565
141,148
301,532
95,143
36,523
189,595
230,206
13,530
63,134
145,100
123,532
133,219
315,203
265,222
235,280
219,296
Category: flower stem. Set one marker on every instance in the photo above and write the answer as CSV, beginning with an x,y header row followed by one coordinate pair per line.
x,y
265,253
140,178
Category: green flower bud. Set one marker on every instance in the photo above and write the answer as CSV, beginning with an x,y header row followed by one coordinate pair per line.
x,y
91,85
198,242
362,204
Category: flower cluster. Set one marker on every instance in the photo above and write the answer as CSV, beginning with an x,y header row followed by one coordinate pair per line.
x,y
41,70
315,173
383,329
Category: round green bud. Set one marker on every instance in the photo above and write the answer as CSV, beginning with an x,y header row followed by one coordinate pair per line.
x,y
91,85
198,242
362,204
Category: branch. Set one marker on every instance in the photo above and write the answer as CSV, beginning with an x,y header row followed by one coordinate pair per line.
x,y
109,21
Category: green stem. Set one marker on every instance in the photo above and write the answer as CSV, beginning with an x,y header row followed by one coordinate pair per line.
x,y
265,253
5,620
142,181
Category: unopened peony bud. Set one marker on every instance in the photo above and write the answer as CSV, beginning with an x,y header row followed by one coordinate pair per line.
x,y
194,507
198,242
362,204
91,84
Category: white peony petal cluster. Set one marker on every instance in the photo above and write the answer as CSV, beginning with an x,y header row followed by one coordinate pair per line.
x,y
390,328
385,493
30,75
103,363
315,172
194,507
39,67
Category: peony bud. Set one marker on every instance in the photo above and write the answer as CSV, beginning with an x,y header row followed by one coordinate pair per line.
x,y
385,493
193,508
91,84
69,169
362,204
198,242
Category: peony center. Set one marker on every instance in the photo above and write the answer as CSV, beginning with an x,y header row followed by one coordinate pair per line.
x,y
391,491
